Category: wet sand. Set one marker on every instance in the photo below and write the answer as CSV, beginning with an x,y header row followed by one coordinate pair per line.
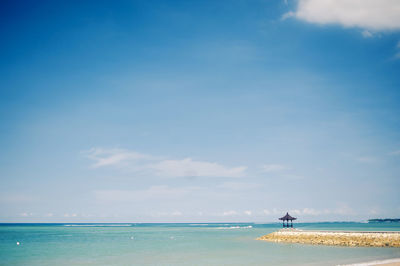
x,y
389,262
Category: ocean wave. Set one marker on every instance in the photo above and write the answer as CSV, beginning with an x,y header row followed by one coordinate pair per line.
x,y
235,227
98,225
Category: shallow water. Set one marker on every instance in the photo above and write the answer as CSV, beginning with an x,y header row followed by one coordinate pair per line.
x,y
175,244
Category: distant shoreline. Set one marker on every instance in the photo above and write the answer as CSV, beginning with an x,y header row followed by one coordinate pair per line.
x,y
386,220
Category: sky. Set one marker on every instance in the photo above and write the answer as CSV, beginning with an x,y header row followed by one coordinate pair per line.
x,y
199,111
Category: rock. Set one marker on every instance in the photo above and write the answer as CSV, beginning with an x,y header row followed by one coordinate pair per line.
x,y
359,239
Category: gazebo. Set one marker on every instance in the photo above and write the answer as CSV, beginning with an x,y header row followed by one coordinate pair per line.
x,y
287,218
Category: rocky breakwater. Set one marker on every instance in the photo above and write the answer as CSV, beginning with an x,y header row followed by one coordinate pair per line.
x,y
339,238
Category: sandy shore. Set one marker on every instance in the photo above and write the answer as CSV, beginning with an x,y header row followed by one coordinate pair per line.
x,y
338,238
389,262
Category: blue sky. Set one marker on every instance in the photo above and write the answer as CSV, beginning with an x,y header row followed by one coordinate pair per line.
x,y
177,111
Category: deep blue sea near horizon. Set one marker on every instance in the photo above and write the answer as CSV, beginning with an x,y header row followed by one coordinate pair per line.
x,y
176,244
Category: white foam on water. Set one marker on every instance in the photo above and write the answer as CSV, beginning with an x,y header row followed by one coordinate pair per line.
x,y
235,227
98,225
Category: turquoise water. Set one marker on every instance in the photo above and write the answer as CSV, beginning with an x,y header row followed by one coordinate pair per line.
x,y
174,244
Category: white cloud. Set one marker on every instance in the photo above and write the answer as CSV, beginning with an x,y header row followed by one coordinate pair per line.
x,y
266,212
134,161
188,167
70,215
343,209
273,167
276,211
288,15
293,177
176,213
395,153
310,211
367,159
397,56
166,214
17,198
295,212
375,15
238,185
229,213
248,213
154,192
113,157
374,211
26,214
367,34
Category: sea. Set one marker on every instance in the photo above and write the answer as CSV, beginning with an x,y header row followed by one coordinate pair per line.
x,y
177,244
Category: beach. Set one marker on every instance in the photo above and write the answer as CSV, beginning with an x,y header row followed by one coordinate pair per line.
x,y
390,262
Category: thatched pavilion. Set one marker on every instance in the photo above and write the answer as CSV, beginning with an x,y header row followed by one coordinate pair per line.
x,y
287,218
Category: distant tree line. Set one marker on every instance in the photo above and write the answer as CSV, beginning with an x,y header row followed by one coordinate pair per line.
x,y
384,220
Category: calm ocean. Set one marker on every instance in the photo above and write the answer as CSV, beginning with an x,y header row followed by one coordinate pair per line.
x,y
175,244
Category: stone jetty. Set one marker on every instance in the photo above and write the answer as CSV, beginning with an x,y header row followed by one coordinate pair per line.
x,y
336,238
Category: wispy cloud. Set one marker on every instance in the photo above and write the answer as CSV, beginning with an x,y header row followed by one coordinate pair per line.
x,y
113,157
248,213
288,15
135,161
367,159
342,210
153,192
397,55
376,15
239,185
17,198
26,214
367,34
70,215
374,210
395,153
189,167
310,211
230,213
273,167
166,214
